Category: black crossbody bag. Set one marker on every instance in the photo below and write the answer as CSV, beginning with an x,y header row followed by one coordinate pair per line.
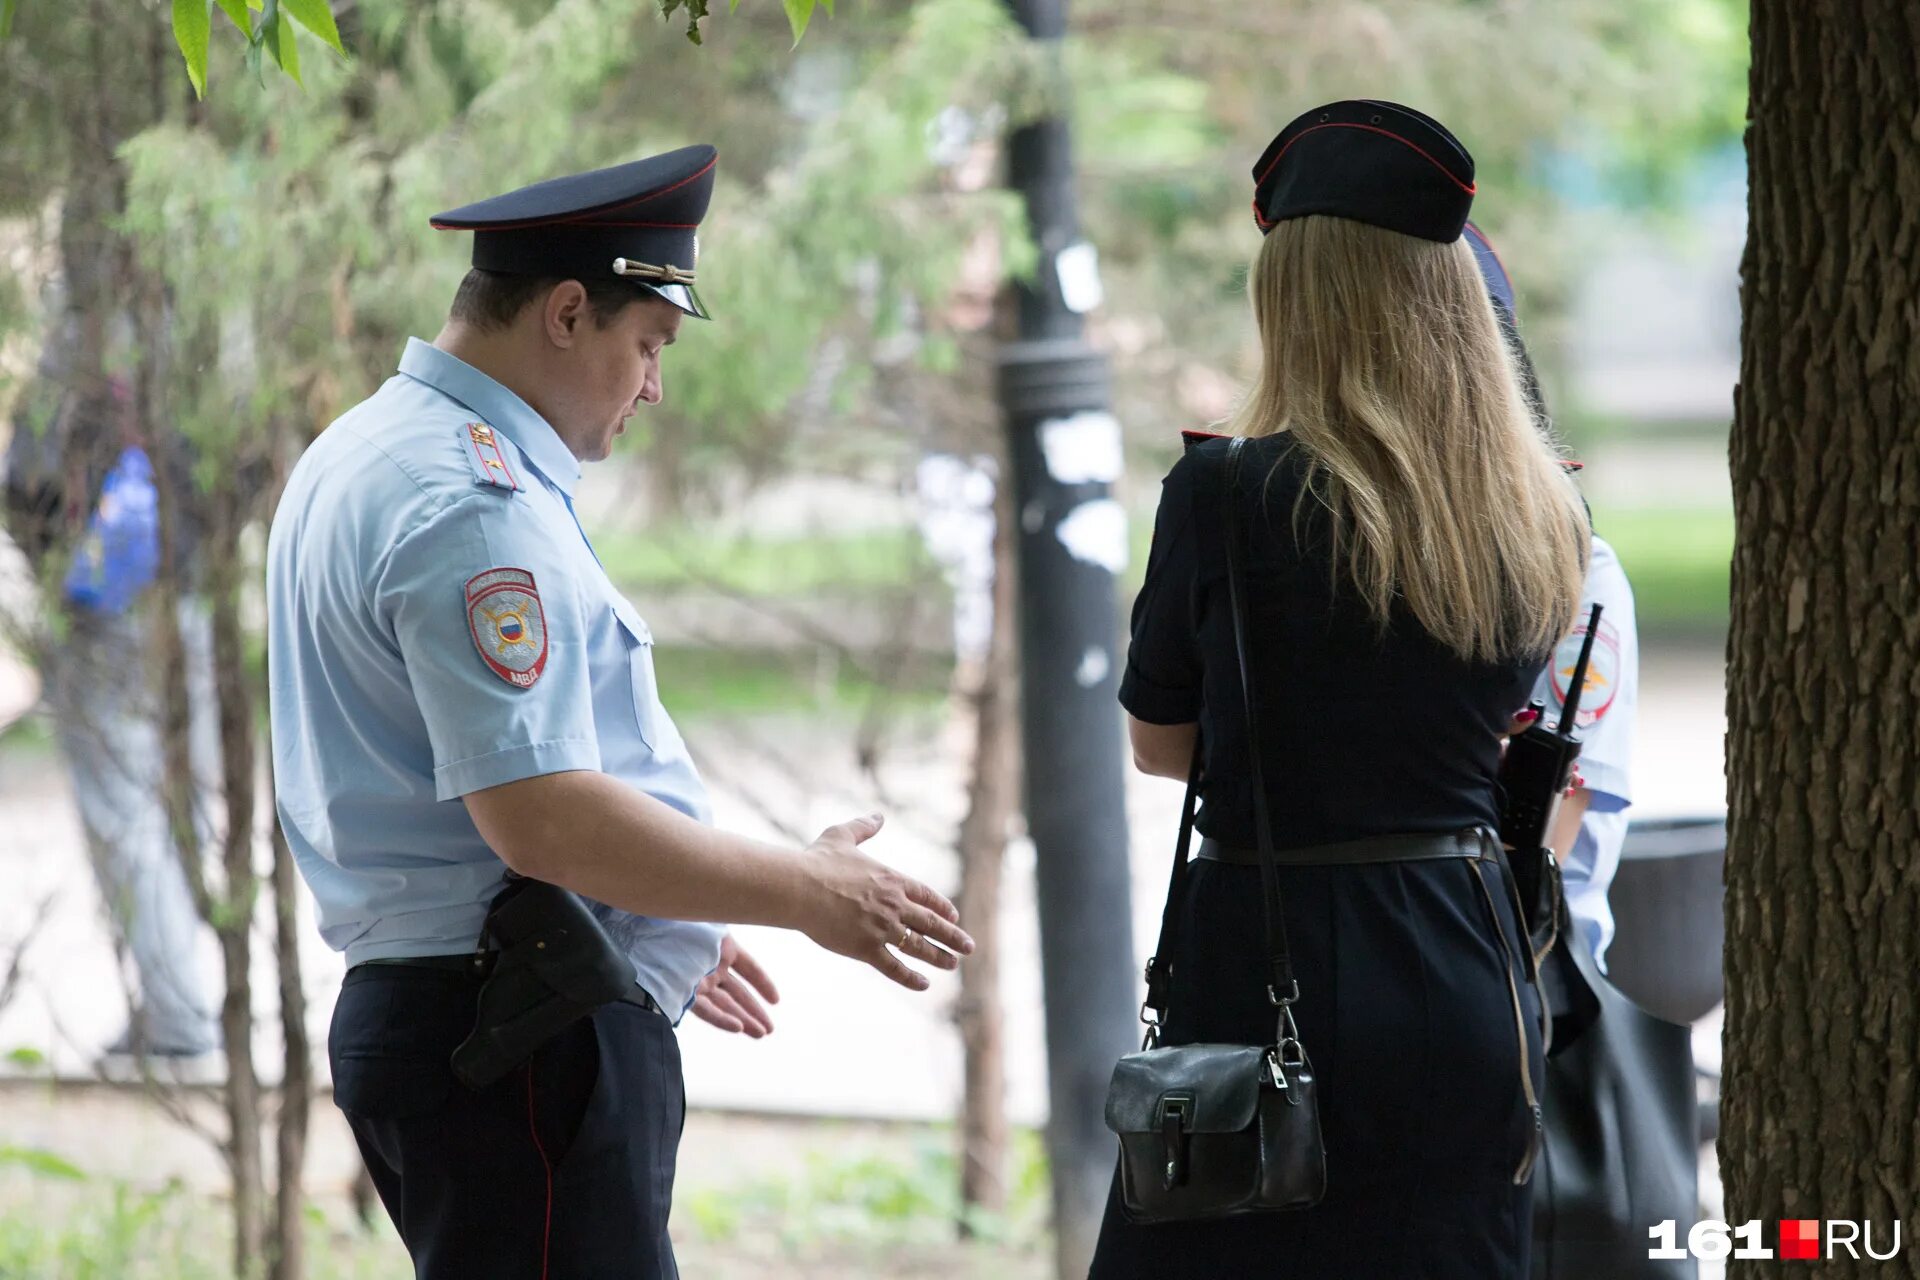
x,y
1216,1130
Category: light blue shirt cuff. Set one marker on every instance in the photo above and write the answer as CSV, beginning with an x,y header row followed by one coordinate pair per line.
x,y
1607,786
477,773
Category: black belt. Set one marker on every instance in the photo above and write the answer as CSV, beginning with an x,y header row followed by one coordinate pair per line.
x,y
480,964
1471,843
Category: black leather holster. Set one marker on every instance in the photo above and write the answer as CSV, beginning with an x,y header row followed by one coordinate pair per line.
x,y
555,964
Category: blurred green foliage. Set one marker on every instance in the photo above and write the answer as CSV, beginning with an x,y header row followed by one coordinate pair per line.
x,y
1679,562
699,681
682,556
68,1226
876,1200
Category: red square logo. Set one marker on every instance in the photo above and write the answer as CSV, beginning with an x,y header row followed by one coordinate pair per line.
x,y
1799,1237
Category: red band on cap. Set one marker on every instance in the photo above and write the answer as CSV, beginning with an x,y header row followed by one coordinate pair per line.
x,y
523,225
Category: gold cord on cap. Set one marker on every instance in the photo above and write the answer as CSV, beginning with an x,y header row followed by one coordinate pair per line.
x,y
648,271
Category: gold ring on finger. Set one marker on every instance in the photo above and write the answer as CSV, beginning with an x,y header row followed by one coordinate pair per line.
x,y
906,939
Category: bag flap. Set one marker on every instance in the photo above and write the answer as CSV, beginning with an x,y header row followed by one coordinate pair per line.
x,y
1223,1080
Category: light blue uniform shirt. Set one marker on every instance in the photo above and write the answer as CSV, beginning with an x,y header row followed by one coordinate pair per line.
x,y
1608,703
401,665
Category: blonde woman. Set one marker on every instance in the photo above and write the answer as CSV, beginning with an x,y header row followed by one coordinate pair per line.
x,y
1412,552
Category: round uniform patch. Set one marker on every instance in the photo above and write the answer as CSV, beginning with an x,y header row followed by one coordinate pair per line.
x,y
1602,684
504,614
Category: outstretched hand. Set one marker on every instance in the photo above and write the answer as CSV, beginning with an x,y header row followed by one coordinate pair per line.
x,y
867,911
730,997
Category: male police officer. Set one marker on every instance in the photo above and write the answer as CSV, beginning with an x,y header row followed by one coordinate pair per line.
x,y
1592,824
440,629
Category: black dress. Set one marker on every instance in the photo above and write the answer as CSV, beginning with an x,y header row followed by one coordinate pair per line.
x,y
1406,1006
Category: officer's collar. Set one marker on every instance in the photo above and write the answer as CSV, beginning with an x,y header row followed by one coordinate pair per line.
x,y
497,406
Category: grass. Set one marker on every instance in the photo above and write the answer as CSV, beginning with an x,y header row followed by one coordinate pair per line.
x,y
852,1215
874,1201
794,566
1678,562
30,735
60,1224
701,682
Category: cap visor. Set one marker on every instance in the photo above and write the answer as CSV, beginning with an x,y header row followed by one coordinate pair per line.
x,y
681,296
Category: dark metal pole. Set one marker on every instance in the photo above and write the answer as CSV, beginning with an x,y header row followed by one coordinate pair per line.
x,y
1064,448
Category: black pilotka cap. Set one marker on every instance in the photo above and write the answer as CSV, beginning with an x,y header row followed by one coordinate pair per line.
x,y
1374,162
635,221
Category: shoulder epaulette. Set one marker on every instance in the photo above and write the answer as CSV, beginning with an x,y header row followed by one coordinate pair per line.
x,y
489,463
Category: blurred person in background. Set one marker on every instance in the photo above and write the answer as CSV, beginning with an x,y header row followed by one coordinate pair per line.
x,y
1592,825
80,503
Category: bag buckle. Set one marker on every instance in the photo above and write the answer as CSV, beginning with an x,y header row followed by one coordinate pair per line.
x,y
1286,1054
1176,1113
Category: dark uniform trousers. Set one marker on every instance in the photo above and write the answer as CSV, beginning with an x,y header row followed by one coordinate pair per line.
x,y
562,1170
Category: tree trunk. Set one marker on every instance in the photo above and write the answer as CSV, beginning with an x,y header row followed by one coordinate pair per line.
x,y
234,921
286,1255
1823,869
992,797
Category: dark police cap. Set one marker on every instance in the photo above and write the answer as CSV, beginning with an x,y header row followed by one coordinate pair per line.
x,y
636,221
1374,162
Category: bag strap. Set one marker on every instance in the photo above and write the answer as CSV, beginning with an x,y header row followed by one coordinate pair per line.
x,y
1282,988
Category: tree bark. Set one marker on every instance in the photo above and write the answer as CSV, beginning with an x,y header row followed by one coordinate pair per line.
x,y
992,797
1820,1118
286,1253
234,921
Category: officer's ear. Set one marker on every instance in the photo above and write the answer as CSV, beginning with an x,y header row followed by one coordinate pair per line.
x,y
565,310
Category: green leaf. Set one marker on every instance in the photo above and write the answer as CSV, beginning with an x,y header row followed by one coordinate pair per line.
x,y
282,44
41,1162
241,15
824,4
799,13
192,28
317,17
6,16
27,1056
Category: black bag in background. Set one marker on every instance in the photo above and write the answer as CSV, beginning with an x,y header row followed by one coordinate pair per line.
x,y
1622,1147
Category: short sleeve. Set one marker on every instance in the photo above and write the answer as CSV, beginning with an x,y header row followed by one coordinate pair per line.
x,y
1162,680
1609,700
484,612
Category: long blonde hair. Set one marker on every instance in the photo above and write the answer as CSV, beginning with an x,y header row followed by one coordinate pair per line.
x,y
1381,354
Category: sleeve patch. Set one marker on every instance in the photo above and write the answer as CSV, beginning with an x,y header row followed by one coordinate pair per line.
x,y
482,447
1602,684
509,627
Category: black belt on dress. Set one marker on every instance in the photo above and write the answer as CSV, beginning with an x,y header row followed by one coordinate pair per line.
x,y
480,963
1420,847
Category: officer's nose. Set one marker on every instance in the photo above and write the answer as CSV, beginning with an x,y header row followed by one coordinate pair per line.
x,y
650,391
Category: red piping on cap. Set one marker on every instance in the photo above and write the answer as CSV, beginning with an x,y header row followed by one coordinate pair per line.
x,y
1261,218
584,214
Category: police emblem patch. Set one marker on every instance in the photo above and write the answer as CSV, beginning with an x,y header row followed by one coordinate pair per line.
x,y
1603,669
508,624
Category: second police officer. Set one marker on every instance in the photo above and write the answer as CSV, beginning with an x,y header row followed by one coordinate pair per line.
x,y
1592,826
459,693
